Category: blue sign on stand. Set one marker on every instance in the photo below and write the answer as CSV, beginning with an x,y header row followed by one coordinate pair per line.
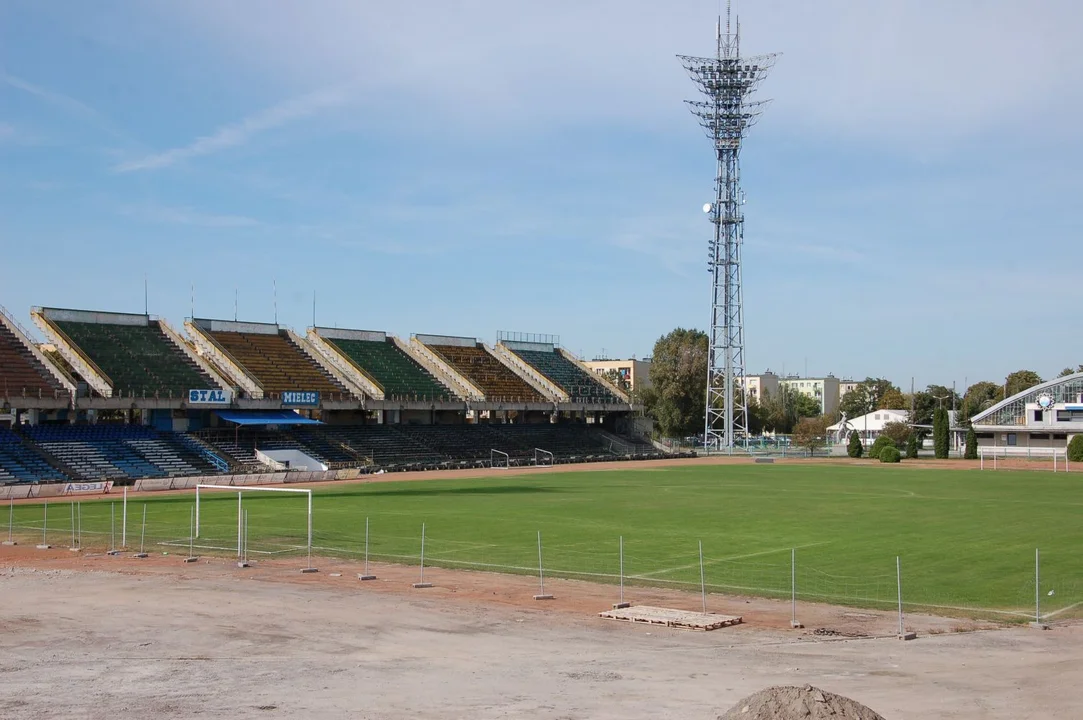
x,y
307,398
209,397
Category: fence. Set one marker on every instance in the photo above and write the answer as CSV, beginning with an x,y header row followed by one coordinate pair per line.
x,y
1012,585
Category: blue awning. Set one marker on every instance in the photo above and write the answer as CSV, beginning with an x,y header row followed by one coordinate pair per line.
x,y
265,417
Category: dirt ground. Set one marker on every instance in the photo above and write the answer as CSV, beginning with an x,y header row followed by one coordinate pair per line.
x,y
91,636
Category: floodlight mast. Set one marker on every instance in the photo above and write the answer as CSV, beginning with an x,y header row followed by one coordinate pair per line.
x,y
727,81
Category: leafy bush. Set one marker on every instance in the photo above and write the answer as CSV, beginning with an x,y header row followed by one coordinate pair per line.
x,y
1075,449
855,449
971,452
890,454
881,442
912,446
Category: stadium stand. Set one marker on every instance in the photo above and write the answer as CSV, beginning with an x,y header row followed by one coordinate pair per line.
x,y
139,359
19,463
580,385
276,362
493,377
21,373
399,375
96,452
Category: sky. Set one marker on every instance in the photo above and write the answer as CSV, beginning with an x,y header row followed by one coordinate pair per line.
x,y
463,168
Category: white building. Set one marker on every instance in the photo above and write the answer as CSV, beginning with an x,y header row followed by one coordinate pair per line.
x,y
868,426
1046,415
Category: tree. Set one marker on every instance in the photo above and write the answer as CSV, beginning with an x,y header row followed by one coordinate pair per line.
x,y
881,442
678,391
1075,449
865,397
890,454
981,396
855,449
1019,381
899,432
941,431
912,446
783,408
1069,371
971,452
892,399
811,433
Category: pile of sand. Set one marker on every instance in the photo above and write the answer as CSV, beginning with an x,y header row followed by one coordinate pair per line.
x,y
798,703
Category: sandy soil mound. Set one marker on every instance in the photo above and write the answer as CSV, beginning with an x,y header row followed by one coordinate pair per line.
x,y
798,703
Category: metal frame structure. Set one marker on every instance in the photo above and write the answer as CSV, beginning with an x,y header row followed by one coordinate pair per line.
x,y
727,81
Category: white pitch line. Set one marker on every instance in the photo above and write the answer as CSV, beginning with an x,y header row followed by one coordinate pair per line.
x,y
732,557
1064,609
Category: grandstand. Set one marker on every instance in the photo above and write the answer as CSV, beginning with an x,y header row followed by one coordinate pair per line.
x,y
123,397
380,360
118,452
24,372
473,361
267,360
124,355
581,386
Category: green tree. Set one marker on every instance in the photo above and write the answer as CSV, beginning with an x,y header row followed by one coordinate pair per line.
x,y
784,407
971,452
1075,449
678,389
881,442
855,449
811,433
890,454
1019,381
865,397
912,444
941,432
892,399
899,432
1069,371
981,396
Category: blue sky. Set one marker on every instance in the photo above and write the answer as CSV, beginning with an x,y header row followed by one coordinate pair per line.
x,y
469,167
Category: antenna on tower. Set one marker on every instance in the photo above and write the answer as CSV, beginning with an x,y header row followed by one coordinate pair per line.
x,y
727,82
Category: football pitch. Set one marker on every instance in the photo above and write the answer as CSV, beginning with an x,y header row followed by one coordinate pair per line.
x,y
966,539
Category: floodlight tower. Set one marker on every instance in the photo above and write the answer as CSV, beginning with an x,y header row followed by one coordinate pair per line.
x,y
727,81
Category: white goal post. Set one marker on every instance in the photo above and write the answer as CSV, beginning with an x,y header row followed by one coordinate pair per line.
x,y
1024,453
255,488
492,458
539,453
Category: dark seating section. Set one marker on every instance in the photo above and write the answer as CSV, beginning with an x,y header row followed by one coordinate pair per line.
x,y
94,452
571,378
278,364
493,378
384,446
398,373
141,360
19,463
22,374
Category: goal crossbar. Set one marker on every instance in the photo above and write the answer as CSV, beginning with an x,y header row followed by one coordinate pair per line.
x,y
256,488
493,452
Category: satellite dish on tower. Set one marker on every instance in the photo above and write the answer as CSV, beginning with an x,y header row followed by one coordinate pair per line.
x,y
707,207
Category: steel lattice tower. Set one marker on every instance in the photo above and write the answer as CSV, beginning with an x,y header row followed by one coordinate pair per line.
x,y
727,81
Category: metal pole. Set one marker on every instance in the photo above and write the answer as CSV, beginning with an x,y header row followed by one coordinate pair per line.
x,y
191,532
124,519
79,517
422,552
309,529
793,587
45,524
197,510
621,569
143,529
702,583
240,523
898,581
112,528
11,519
1037,587
72,506
541,571
246,537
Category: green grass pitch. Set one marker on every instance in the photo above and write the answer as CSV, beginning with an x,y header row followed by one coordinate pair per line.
x,y
966,539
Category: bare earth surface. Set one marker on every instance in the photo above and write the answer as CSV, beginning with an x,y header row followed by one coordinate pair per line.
x,y
90,636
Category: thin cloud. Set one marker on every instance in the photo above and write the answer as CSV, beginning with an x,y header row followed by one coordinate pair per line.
x,y
239,133
187,216
65,103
